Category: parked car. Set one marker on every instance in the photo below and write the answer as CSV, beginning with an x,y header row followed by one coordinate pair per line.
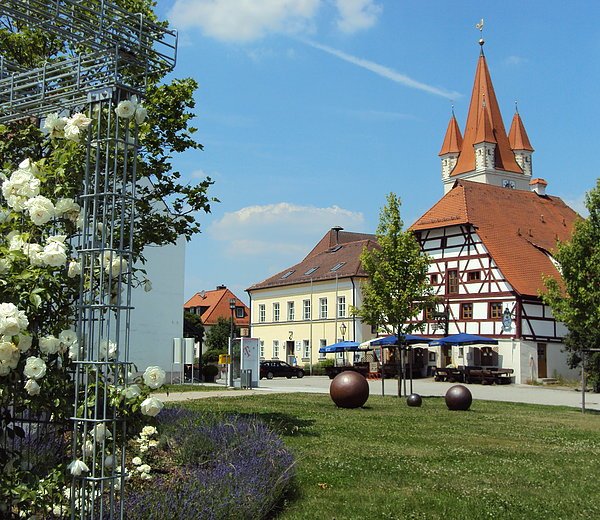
x,y
271,369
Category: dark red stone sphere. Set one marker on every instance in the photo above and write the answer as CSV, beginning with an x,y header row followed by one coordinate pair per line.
x,y
458,397
414,400
349,390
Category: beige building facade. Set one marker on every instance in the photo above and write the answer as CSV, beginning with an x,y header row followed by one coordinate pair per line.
x,y
308,305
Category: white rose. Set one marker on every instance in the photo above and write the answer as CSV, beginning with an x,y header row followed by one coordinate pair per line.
x,y
109,461
100,433
146,476
29,166
77,467
12,320
49,344
8,350
151,406
54,253
87,448
21,186
32,387
140,114
116,267
34,253
147,285
132,391
24,342
35,368
55,125
15,241
40,209
74,351
74,269
4,369
67,337
143,468
154,377
125,109
148,431
108,349
67,207
136,461
79,120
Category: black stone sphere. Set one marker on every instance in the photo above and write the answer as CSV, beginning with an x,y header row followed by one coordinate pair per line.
x,y
414,400
458,397
349,390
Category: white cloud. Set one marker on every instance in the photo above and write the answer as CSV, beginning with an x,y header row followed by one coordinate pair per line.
x,y
578,204
356,15
244,20
285,230
384,71
514,60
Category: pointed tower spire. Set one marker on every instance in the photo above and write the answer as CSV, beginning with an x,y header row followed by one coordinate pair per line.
x,y
520,145
450,147
483,89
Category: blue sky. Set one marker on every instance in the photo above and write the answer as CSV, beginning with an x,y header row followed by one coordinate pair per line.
x,y
311,111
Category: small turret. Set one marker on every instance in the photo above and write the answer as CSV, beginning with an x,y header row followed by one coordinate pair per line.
x,y
450,147
485,143
520,145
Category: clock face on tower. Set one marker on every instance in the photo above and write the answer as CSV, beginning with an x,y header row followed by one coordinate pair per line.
x,y
507,183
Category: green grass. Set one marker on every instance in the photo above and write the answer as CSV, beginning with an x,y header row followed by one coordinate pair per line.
x,y
191,388
388,461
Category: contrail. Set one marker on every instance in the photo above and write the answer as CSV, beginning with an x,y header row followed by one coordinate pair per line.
x,y
383,71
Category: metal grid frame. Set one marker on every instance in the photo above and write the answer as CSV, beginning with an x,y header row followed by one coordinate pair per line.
x,y
124,50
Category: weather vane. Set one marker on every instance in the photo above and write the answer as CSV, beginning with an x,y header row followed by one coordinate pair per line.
x,y
480,27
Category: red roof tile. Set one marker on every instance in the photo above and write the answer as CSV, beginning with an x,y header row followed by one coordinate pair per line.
x,y
517,136
216,305
453,138
518,228
484,90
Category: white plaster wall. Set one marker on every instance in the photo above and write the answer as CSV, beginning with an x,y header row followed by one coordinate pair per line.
x,y
158,314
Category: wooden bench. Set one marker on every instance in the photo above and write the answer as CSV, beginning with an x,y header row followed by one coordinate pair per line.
x,y
450,375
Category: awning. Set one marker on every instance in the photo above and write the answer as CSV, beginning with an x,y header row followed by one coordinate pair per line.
x,y
463,339
405,339
341,346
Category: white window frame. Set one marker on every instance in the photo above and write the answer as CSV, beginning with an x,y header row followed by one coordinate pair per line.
x,y
262,313
276,311
291,311
306,348
262,348
341,307
306,309
275,349
322,343
323,308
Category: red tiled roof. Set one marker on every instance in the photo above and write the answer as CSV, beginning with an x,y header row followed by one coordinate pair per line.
x,y
453,138
217,306
518,228
325,256
484,97
517,136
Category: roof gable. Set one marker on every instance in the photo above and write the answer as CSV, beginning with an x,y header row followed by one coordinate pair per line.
x,y
518,228
216,305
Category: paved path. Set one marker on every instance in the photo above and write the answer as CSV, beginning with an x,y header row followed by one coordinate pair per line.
x,y
425,387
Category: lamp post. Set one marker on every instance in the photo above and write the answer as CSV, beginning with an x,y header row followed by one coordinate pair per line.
x,y
343,330
230,350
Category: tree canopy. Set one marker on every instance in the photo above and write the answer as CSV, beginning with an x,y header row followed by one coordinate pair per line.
x,y
575,298
398,288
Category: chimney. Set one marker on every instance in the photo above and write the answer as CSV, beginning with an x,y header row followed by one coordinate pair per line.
x,y
219,287
337,230
538,186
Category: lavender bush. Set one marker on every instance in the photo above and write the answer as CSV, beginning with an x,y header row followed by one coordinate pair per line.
x,y
223,467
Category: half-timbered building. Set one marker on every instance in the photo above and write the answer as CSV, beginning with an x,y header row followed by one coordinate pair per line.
x,y
490,238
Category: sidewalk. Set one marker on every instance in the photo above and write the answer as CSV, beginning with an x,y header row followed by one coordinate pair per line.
x,y
515,393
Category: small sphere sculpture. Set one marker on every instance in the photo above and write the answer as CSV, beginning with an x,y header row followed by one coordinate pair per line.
x,y
414,400
458,397
349,390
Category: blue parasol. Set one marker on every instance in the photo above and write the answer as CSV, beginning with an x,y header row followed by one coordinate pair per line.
x,y
463,339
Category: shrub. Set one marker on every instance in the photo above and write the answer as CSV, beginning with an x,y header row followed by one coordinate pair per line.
x,y
231,467
209,372
319,368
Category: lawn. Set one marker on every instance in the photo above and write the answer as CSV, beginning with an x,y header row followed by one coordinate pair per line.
x,y
387,461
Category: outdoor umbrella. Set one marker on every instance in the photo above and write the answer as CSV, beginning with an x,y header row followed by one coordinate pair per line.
x,y
463,339
405,339
341,346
